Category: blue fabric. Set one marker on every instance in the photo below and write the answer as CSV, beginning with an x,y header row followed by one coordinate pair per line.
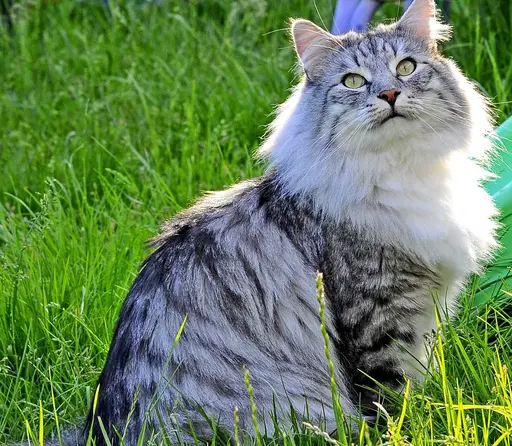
x,y
356,14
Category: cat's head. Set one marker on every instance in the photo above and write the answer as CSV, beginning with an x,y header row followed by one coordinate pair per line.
x,y
381,90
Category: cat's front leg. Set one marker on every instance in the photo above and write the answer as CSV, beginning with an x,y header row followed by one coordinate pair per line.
x,y
381,373
384,365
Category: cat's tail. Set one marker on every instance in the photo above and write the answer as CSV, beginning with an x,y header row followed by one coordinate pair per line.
x,y
70,437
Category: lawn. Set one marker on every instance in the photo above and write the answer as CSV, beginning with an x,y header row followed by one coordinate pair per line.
x,y
111,121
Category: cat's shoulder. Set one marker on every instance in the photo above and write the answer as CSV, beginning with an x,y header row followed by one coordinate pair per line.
x,y
237,202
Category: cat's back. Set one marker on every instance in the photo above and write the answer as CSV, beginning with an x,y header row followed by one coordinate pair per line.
x,y
259,206
235,254
253,221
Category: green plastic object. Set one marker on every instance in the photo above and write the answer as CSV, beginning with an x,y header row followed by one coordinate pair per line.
x,y
499,274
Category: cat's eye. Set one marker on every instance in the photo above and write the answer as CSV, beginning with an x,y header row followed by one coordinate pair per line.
x,y
353,80
406,67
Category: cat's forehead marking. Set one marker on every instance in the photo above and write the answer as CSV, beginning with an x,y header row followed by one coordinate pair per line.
x,y
389,48
377,45
371,50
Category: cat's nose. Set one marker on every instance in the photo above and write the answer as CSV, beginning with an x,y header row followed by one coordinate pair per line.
x,y
389,96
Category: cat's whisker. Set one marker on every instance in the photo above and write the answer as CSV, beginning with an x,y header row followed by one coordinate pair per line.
x,y
432,128
327,152
335,141
444,122
435,103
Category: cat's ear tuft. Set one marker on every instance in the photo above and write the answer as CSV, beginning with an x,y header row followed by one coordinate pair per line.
x,y
420,20
312,44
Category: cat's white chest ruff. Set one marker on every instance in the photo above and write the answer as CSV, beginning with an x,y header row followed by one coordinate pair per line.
x,y
444,219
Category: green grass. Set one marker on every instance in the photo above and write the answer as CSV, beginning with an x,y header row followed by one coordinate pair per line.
x,y
112,121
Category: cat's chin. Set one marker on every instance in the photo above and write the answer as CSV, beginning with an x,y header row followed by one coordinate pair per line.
x,y
393,129
392,117
410,136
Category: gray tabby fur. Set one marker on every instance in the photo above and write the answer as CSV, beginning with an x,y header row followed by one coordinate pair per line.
x,y
392,213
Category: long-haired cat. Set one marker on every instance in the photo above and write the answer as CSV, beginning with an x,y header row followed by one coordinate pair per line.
x,y
374,181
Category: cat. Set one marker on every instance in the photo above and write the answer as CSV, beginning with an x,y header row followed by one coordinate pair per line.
x,y
374,180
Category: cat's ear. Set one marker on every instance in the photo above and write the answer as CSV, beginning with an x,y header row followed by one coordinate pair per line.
x,y
420,20
312,44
